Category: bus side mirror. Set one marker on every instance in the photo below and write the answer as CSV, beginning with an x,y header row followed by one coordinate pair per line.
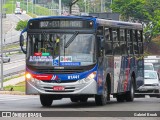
x,y
21,40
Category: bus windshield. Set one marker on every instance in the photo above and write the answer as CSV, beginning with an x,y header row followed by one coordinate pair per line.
x,y
61,49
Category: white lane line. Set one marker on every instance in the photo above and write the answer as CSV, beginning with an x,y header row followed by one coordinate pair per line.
x,y
13,37
8,68
16,98
15,62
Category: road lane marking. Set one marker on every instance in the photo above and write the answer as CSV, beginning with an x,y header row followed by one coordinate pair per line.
x,y
12,97
8,68
15,61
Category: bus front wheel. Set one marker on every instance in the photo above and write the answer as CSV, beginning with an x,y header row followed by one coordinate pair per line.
x,y
46,100
102,99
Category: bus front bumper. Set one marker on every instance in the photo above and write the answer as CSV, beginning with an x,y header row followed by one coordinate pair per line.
x,y
80,87
149,89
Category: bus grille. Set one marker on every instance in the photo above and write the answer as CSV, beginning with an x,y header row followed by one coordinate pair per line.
x,y
64,81
55,71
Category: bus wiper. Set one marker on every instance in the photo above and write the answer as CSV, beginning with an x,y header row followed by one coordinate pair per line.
x,y
71,39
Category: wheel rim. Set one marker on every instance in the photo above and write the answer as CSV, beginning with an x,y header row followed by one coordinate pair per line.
x,y
132,89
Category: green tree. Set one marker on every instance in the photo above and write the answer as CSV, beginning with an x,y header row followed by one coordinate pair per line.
x,y
144,11
69,3
21,25
131,9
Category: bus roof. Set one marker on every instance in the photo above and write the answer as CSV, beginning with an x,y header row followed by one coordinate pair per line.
x,y
121,24
109,23
65,17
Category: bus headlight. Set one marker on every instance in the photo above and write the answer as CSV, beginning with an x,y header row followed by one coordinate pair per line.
x,y
28,76
91,76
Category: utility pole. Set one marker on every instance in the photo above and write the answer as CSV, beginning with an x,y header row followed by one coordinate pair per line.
x,y
27,6
60,2
1,34
85,5
32,6
111,4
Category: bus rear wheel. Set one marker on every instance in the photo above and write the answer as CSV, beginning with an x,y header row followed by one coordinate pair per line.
x,y
130,94
102,99
46,100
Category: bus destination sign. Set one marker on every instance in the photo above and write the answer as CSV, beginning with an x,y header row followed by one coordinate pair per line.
x,y
61,24
55,24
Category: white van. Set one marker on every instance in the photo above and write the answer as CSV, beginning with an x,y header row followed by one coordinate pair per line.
x,y
18,11
148,66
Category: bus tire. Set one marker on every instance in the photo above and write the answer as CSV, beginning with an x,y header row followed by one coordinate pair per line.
x,y
120,98
74,99
130,94
102,99
46,100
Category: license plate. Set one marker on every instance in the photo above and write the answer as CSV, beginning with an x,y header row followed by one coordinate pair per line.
x,y
58,88
143,89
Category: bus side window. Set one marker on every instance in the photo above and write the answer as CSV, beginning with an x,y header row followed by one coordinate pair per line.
x,y
108,49
108,42
129,42
135,42
140,42
123,46
116,41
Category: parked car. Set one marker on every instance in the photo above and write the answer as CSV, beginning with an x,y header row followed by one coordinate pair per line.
x,y
5,58
18,11
151,84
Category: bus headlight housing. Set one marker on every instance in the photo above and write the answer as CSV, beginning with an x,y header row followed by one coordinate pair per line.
x,y
91,76
28,76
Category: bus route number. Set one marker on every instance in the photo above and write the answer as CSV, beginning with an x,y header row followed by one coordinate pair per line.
x,y
71,77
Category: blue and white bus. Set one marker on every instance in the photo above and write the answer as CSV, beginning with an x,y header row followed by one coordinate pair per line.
x,y
79,57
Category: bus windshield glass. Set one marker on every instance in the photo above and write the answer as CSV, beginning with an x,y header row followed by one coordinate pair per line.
x,y
61,49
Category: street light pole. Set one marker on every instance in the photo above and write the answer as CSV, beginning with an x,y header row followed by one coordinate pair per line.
x,y
60,7
101,6
1,34
85,5
27,6
111,4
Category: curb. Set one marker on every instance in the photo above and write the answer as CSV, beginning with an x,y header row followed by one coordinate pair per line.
x,y
12,92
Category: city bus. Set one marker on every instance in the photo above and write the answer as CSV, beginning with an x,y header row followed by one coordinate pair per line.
x,y
81,57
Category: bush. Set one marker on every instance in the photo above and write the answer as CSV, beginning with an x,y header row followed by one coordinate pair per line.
x,y
21,25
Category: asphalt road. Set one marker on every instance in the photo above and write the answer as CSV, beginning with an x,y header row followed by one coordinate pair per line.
x,y
17,63
9,33
60,107
32,103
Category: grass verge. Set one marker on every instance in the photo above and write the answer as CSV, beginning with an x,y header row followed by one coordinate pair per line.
x,y
18,87
12,77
